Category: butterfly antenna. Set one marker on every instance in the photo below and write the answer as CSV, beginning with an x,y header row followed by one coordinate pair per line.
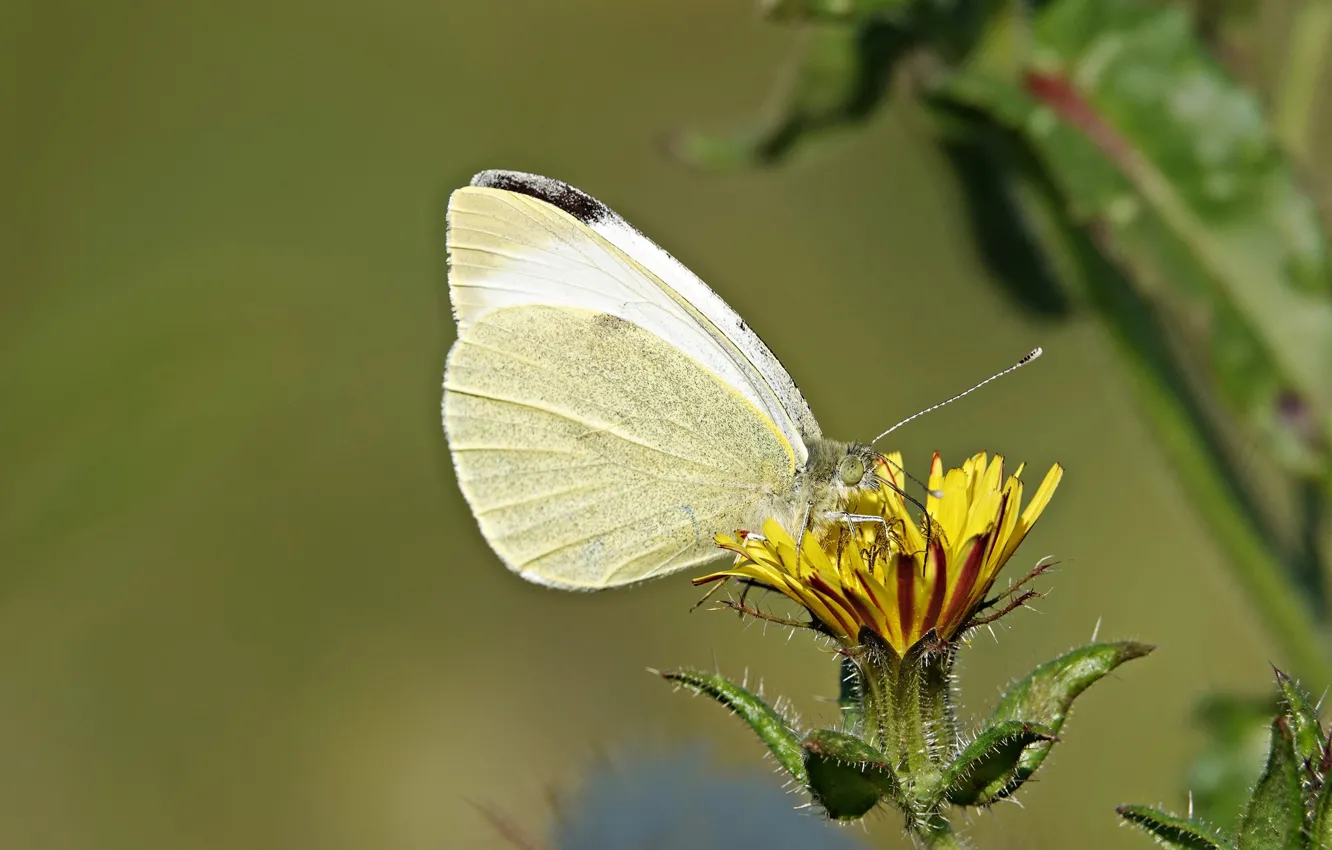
x,y
1018,365
914,480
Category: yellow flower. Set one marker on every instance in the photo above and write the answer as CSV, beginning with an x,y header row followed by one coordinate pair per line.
x,y
879,577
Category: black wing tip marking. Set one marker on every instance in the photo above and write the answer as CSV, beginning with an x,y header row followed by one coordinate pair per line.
x,y
557,193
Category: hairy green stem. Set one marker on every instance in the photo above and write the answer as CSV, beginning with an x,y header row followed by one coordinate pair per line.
x,y
937,834
909,717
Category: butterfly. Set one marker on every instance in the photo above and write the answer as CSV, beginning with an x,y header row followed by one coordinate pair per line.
x,y
608,414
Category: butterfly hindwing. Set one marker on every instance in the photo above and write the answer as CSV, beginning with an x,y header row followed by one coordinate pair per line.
x,y
594,454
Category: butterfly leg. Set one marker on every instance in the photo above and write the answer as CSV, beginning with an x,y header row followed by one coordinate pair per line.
x,y
800,540
884,524
852,519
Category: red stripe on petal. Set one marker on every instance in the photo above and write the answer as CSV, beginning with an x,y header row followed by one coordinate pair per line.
x,y
940,588
906,596
857,606
816,582
878,609
966,583
998,523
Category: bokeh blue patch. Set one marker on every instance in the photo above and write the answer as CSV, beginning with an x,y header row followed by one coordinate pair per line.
x,y
684,802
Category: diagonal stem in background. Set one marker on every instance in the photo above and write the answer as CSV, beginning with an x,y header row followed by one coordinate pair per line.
x,y
1304,69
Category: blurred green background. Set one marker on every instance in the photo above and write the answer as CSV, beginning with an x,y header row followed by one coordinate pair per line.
x,y
242,603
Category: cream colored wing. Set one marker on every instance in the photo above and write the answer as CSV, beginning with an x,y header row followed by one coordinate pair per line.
x,y
518,238
596,454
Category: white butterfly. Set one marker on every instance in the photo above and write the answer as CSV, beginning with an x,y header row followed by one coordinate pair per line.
x,y
607,412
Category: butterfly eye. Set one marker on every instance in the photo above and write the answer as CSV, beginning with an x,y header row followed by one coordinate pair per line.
x,y
852,470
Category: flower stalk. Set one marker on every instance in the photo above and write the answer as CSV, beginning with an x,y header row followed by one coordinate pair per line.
x,y
937,833
907,714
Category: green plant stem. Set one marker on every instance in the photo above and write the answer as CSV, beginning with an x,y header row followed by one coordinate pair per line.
x,y
908,715
938,834
1262,575
1306,60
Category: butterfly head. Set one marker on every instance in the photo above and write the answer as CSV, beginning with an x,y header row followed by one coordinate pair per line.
x,y
835,474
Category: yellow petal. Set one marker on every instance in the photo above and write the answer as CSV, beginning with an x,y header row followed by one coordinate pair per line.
x,y
778,536
817,559
827,610
935,486
893,470
975,468
1008,522
952,514
884,601
1039,500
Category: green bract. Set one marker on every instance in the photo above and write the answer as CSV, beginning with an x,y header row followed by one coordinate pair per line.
x,y
899,742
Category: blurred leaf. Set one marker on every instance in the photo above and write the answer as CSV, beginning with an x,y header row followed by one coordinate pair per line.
x,y
1146,135
1011,230
839,78
1237,732
988,769
1232,31
1171,831
1230,193
847,777
1044,696
1301,718
1274,817
1072,256
770,726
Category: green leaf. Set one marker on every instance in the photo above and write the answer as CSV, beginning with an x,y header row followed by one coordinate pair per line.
x,y
770,726
1301,718
1173,831
1147,136
846,776
841,77
1274,816
1044,696
1020,231
988,768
